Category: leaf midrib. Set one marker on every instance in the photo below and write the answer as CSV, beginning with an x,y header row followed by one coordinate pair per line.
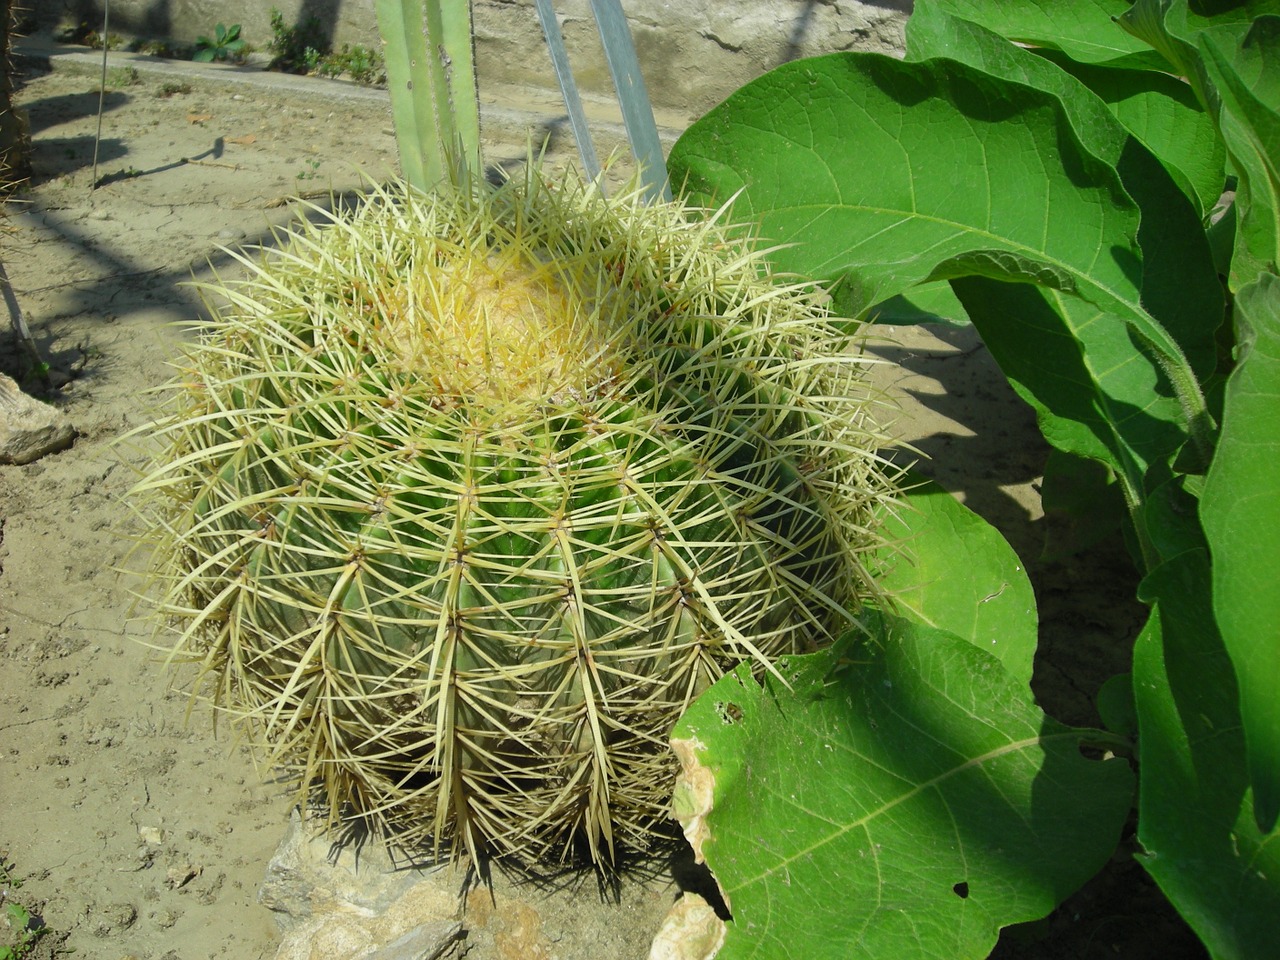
x,y
843,829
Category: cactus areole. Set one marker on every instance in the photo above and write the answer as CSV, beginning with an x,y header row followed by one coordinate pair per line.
x,y
465,496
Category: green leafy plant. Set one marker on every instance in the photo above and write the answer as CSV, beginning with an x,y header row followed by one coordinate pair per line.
x,y
87,35
173,88
305,48
225,44
309,171
1042,172
157,47
24,932
357,62
297,48
123,77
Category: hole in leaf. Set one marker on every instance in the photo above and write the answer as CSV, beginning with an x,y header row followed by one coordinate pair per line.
x,y
961,890
1092,752
728,712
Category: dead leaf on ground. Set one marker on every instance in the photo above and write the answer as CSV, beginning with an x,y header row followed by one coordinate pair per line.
x,y
247,139
199,117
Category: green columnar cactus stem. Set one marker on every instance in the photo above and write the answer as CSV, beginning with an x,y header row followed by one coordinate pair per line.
x,y
427,45
466,495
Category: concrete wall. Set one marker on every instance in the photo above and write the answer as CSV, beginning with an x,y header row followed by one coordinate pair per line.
x,y
693,52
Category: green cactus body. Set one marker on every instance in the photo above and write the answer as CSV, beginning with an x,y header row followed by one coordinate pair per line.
x,y
465,497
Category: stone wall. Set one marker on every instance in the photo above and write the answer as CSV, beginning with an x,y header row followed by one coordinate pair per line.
x,y
693,52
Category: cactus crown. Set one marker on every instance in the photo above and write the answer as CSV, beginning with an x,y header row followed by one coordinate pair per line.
x,y
465,497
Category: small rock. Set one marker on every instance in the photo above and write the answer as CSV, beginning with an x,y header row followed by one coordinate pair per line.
x,y
337,906
29,429
421,943
301,877
327,937
179,877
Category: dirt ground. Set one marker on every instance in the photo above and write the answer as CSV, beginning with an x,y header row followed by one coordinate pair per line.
x,y
139,832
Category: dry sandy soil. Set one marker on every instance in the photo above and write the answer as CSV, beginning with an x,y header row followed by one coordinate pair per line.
x,y
140,832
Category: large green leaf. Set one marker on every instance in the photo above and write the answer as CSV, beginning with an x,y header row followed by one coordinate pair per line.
x,y
926,303
877,174
1173,28
1244,66
1082,504
988,600
1082,29
1169,518
1164,114
895,173
1196,818
1096,396
903,799
1160,110
1180,285
1240,508
1230,53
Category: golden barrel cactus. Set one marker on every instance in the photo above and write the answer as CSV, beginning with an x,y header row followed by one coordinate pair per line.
x,y
463,498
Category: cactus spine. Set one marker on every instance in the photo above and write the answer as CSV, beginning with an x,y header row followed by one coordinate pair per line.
x,y
465,496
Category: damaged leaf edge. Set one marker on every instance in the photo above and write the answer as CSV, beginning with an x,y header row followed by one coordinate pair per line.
x,y
692,930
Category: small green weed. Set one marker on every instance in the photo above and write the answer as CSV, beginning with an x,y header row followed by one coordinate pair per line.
x,y
225,44
173,88
20,929
309,171
160,48
296,49
24,930
357,62
305,48
123,77
87,35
